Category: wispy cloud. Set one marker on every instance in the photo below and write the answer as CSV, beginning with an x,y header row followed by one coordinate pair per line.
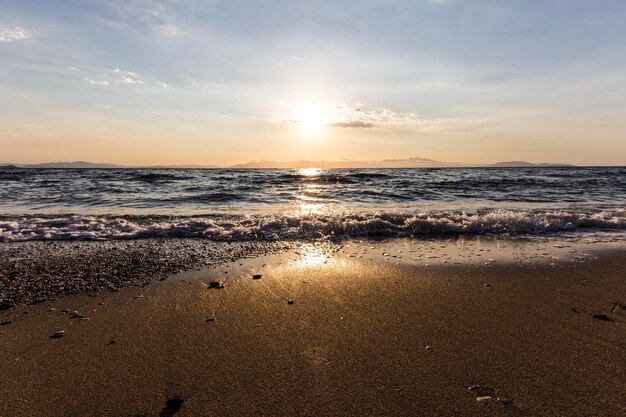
x,y
359,112
359,116
354,123
345,115
95,82
109,77
13,33
126,77
159,18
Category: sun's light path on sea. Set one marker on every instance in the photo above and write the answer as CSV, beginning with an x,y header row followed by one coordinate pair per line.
x,y
309,172
307,202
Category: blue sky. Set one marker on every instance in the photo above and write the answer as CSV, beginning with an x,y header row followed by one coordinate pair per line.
x,y
185,81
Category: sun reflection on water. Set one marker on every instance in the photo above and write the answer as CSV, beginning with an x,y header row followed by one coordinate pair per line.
x,y
308,209
309,172
307,202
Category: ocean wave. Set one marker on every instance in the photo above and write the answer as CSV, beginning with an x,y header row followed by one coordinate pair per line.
x,y
368,175
189,191
7,176
321,178
154,176
291,226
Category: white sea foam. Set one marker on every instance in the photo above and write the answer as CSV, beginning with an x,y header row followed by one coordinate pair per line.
x,y
290,226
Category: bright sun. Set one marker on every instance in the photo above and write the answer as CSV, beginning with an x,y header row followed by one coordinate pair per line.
x,y
310,116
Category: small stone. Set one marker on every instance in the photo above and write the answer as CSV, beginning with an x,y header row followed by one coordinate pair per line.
x,y
484,398
65,310
505,401
602,317
482,390
5,306
428,347
210,319
58,334
52,309
487,285
257,276
290,302
173,404
5,322
215,284
112,342
75,313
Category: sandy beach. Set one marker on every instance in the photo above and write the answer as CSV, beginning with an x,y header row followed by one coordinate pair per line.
x,y
360,329
312,209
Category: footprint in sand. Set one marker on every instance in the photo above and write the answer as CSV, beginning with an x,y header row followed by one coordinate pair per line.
x,y
316,354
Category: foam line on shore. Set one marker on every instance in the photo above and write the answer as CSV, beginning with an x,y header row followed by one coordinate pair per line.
x,y
309,226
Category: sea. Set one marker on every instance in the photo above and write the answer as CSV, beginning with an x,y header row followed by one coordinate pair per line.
x,y
282,204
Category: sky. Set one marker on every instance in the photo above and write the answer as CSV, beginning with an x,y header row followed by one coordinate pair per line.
x,y
145,82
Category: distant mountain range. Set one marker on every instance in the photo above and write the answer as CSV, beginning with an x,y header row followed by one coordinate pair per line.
x,y
414,162
95,165
524,164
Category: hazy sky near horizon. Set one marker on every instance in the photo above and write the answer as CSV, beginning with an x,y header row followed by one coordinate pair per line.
x,y
216,82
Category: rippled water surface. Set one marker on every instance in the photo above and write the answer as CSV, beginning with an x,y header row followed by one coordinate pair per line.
x,y
253,204
185,191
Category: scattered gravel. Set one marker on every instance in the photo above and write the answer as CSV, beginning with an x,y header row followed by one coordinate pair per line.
x,y
34,272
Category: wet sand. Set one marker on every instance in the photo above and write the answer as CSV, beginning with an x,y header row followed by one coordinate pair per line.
x,y
377,329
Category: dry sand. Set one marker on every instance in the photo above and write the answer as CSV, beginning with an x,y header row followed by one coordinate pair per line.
x,y
367,334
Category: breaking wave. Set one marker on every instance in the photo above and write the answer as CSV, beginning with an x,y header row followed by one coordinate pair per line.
x,y
291,226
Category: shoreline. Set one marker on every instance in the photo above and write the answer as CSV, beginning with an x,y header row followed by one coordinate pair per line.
x,y
367,334
34,272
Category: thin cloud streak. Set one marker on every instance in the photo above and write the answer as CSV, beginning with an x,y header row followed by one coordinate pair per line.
x,y
13,33
353,124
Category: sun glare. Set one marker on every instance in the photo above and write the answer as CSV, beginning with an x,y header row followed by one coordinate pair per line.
x,y
309,172
310,117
